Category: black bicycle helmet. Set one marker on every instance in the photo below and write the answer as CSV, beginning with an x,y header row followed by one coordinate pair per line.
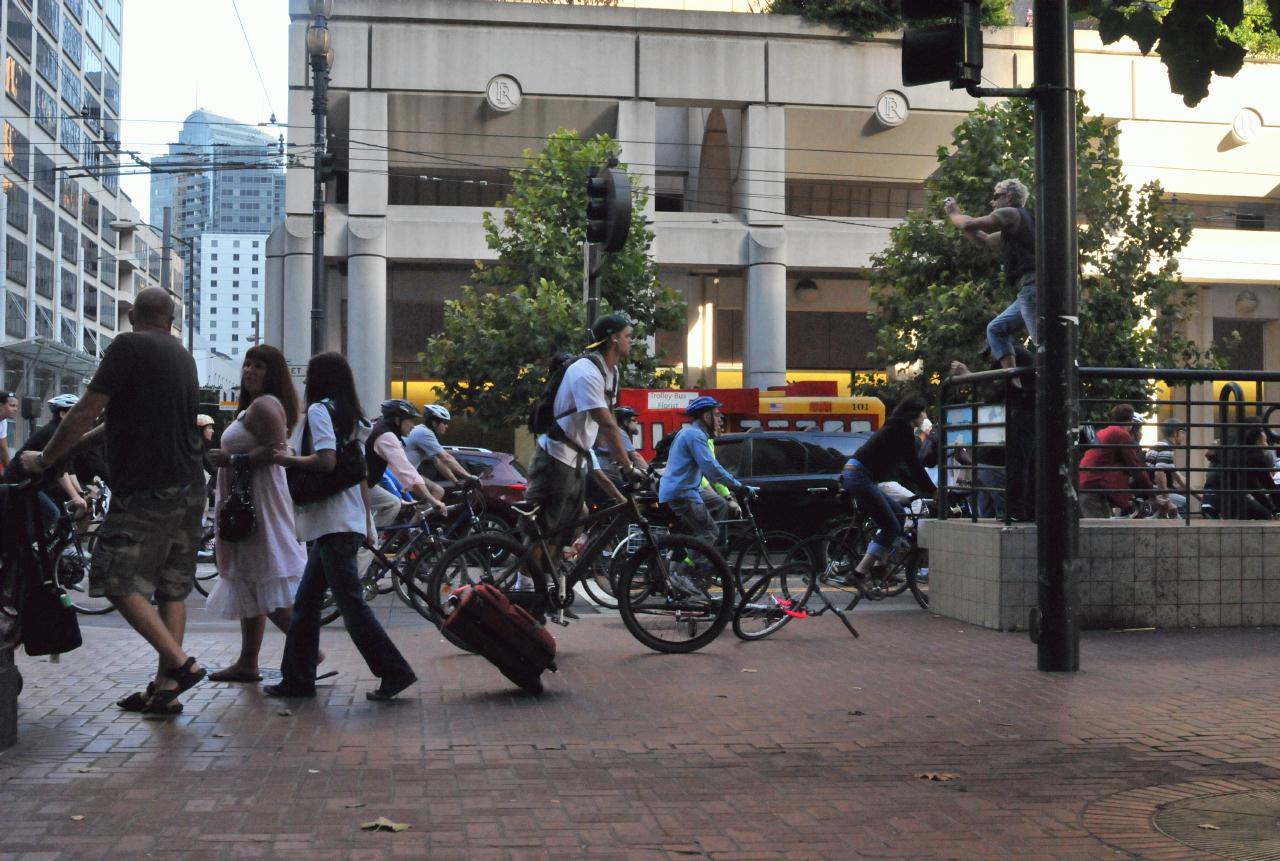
x,y
624,413
397,408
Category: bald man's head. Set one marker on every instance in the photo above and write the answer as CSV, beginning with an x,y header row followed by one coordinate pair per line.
x,y
153,308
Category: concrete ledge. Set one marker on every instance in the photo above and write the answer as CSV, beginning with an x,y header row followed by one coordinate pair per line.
x,y
1132,574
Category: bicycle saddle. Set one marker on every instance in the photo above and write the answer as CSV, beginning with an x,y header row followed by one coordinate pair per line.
x,y
527,509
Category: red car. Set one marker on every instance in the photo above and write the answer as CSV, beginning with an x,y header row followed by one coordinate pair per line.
x,y
502,480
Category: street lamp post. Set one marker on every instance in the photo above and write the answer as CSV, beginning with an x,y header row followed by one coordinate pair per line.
x,y
320,49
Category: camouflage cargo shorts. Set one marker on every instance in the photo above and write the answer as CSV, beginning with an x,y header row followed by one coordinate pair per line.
x,y
147,545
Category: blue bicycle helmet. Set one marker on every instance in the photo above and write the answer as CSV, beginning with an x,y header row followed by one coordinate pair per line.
x,y
700,405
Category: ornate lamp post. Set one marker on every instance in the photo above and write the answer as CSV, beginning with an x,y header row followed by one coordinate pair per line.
x,y
320,49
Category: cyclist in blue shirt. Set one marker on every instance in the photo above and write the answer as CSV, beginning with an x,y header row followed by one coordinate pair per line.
x,y
690,459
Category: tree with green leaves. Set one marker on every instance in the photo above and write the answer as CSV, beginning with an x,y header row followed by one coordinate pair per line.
x,y
525,307
935,291
861,19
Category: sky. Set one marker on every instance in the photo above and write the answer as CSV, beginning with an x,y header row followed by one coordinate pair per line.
x,y
180,55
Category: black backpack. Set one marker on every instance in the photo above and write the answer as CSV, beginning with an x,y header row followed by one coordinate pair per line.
x,y
542,416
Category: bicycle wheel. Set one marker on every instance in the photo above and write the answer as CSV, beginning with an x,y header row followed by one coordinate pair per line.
x,y
831,559
918,577
768,604
204,580
599,585
676,596
413,570
755,560
71,568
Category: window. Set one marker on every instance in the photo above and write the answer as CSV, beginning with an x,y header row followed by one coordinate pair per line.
x,y
90,257
89,210
72,42
17,151
235,312
44,276
213,257
68,332
235,283
93,69
213,243
70,85
111,92
235,256
16,200
45,179
213,270
68,291
214,298
255,242
47,61
15,315
110,180
235,297
17,83
20,32
90,303
255,257
775,457
112,8
111,50
235,324
15,259
106,316
235,243
93,25
109,275
109,234
235,270
49,16
70,241
91,341
70,199
235,337
45,224
75,7
44,322
46,111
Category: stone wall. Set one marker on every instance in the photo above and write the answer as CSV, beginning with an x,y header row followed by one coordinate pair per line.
x,y
1132,574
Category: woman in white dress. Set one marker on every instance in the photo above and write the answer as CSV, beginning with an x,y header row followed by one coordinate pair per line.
x,y
259,574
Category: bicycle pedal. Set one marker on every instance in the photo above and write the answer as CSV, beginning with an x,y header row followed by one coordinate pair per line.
x,y
560,620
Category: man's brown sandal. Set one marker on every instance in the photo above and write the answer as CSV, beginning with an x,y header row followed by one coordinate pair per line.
x,y
162,700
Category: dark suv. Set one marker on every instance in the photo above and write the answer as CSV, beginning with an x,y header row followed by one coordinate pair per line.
x,y
502,479
798,473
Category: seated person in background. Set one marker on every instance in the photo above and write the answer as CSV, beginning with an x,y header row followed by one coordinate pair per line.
x,y
1108,471
1160,462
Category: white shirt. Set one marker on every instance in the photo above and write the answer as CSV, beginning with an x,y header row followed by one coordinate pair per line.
x,y
581,389
4,428
344,511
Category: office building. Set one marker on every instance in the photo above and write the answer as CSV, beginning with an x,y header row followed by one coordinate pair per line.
x,y
232,275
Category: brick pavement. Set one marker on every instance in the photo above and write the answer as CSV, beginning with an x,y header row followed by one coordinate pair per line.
x,y
814,753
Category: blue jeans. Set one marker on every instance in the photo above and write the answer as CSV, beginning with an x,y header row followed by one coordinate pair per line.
x,y
332,564
887,514
1021,313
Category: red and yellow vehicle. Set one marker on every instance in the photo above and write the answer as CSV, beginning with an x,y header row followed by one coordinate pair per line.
x,y
797,406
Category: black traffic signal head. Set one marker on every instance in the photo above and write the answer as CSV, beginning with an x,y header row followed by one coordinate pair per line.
x,y
608,207
944,52
326,166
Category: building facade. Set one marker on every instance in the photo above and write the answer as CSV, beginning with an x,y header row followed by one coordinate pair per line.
x,y
779,154
67,286
232,278
221,177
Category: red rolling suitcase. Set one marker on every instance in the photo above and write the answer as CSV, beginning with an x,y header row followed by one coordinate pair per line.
x,y
504,634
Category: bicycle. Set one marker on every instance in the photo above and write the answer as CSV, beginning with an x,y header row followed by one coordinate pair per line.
x,y
675,593
71,549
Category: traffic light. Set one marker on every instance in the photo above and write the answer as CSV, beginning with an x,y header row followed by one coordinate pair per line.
x,y
326,167
608,207
943,52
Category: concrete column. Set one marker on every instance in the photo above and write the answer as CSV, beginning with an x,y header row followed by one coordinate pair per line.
x,y
764,313
273,288
761,186
638,133
295,306
367,309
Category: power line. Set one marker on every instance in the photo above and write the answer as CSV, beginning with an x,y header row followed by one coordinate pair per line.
x,y
248,44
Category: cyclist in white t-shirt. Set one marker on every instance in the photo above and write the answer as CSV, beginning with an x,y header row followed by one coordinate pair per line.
x,y
8,409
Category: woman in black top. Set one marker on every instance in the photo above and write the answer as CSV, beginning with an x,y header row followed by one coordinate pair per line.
x,y
891,446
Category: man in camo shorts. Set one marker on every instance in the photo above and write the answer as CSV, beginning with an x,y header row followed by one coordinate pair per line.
x,y
147,545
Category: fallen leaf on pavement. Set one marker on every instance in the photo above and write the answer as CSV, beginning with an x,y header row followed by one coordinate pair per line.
x,y
382,823
313,771
354,804
938,775
77,817
1208,827
746,670
285,712
222,735
86,769
856,713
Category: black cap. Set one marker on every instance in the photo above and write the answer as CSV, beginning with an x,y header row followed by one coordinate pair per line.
x,y
607,326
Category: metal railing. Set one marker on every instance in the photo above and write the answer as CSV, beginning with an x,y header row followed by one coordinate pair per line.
x,y
1225,461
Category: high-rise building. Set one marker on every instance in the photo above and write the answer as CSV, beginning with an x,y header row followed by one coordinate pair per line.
x,y
221,177
232,275
64,291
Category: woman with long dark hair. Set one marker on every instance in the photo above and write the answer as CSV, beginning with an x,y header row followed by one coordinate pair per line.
x,y
892,446
259,573
336,526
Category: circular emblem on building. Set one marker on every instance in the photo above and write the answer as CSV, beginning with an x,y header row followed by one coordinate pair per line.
x,y
892,108
1246,126
503,93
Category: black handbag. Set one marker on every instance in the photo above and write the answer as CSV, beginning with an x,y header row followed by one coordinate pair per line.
x,y
307,487
236,515
47,621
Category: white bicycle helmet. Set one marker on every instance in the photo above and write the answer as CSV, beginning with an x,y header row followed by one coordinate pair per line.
x,y
437,412
63,402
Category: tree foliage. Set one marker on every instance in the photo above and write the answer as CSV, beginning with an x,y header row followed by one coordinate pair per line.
x,y
862,18
935,291
493,350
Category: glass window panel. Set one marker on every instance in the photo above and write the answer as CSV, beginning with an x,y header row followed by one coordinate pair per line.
x,y
109,234
110,180
17,151
776,457
46,115
44,322
70,199
93,69
111,93
70,85
90,257
70,241
49,14
93,24
16,205
46,229
72,42
68,291
114,13
17,83
68,332
20,32
15,260
107,316
15,315
45,179
47,64
75,7
109,272
44,276
89,210
69,134
91,341
90,302
111,50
